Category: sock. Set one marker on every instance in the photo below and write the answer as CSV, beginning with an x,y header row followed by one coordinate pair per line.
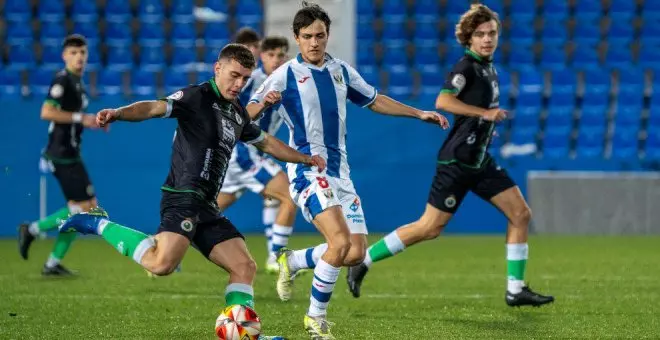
x,y
128,242
268,231
49,222
61,247
516,260
323,283
239,294
269,214
280,237
307,258
388,246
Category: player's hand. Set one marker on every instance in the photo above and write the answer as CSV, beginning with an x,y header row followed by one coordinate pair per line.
x,y
272,98
435,118
106,116
317,161
495,115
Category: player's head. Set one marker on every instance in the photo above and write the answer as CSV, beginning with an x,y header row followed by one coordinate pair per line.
x,y
274,51
250,38
479,29
233,69
74,53
311,28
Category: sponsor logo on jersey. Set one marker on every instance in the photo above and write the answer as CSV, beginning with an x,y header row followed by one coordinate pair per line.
x,y
355,205
303,79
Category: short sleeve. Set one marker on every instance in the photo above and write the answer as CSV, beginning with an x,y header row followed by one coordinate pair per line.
x,y
460,77
275,82
180,103
359,92
252,133
56,91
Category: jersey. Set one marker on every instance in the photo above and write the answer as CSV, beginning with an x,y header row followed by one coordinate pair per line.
x,y
313,106
207,130
67,92
474,81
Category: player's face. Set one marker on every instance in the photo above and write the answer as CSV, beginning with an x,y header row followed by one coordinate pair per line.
x,y
230,77
75,58
312,41
485,38
272,59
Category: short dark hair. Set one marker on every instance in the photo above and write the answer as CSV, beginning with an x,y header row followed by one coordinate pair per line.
x,y
238,52
470,20
273,42
247,36
74,40
309,13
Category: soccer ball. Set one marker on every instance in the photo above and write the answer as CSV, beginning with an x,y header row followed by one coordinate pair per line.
x,y
238,322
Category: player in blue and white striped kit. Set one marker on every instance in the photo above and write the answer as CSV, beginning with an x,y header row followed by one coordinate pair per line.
x,y
315,88
250,169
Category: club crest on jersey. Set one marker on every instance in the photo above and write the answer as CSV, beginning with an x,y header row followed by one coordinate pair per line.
x,y
339,78
56,91
328,193
472,138
187,225
450,201
176,95
458,81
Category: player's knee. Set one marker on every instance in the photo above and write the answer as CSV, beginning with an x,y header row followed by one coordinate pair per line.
x,y
522,216
339,245
355,256
244,269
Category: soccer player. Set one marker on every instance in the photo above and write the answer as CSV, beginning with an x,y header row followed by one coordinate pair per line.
x,y
210,121
315,88
250,38
472,94
248,169
64,107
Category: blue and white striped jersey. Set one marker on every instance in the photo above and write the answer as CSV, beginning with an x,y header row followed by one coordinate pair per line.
x,y
313,106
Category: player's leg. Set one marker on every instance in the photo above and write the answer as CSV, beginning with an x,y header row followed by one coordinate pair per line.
x,y
450,185
268,217
225,200
278,189
495,185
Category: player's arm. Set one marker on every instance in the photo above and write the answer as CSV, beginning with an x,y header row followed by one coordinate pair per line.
x,y
267,95
388,106
135,112
51,110
257,109
285,153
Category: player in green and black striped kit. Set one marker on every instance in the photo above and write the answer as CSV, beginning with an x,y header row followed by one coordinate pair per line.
x,y
471,93
63,107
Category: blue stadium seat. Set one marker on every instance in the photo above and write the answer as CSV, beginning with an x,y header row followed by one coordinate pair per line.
x,y
249,13
521,35
559,116
217,5
10,83
554,33
216,35
523,6
650,34
51,11
505,84
453,55
174,81
598,83
654,116
394,11
19,34
182,11
39,80
184,59
600,100
152,59
118,35
365,55
400,84
17,11
529,100
590,142
84,11
496,5
426,35
628,116
553,58
620,34
370,74
20,58
365,33
523,135
522,57
593,116
150,11
51,59
555,11
424,11
395,35
586,34
151,35
90,30
431,82
649,58
119,59
143,84
561,99
426,57
618,58
526,116
183,35
622,12
395,58
625,143
589,10
366,11
564,81
556,141
530,81
52,34
118,11
631,86
109,82
93,58
652,144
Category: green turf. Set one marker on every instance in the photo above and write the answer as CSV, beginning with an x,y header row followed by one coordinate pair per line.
x,y
606,287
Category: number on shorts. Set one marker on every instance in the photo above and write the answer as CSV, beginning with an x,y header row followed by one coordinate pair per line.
x,y
323,182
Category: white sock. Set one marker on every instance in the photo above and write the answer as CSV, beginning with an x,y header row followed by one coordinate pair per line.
x,y
268,231
307,258
280,237
392,245
325,277
52,261
142,248
516,252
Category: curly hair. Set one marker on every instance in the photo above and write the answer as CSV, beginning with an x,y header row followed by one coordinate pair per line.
x,y
470,20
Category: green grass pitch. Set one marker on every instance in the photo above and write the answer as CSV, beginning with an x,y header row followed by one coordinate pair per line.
x,y
450,288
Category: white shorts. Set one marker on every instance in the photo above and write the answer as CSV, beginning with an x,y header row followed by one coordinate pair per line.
x,y
314,192
252,173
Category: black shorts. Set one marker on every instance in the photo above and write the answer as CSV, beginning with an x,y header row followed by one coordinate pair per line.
x,y
189,215
453,181
74,181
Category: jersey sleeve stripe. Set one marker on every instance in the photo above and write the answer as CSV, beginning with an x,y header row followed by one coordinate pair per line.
x,y
261,137
452,91
168,111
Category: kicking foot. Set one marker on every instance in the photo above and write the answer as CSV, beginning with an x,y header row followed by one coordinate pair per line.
x,y
57,270
318,328
354,278
527,297
286,276
85,222
25,239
